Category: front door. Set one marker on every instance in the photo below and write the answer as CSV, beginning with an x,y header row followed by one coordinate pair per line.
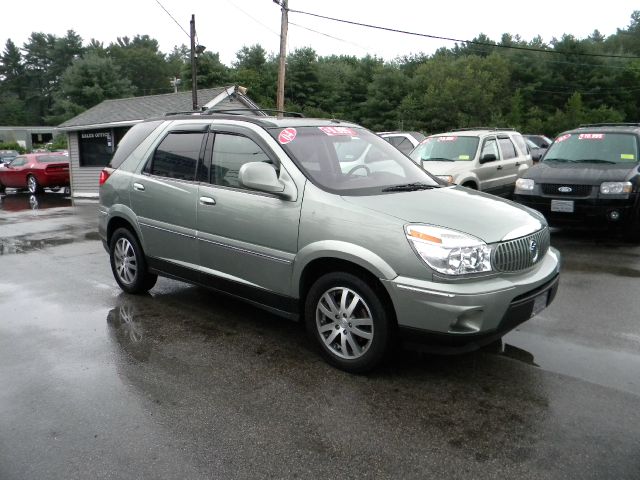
x,y
489,174
15,174
247,239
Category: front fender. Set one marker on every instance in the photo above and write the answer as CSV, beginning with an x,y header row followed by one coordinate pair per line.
x,y
334,249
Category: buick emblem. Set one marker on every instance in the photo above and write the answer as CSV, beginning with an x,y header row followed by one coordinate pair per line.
x,y
565,189
533,250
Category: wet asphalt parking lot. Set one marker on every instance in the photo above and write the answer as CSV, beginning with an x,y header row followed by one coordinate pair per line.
x,y
187,384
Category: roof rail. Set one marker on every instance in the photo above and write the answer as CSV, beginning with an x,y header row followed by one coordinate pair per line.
x,y
240,111
185,112
481,128
612,124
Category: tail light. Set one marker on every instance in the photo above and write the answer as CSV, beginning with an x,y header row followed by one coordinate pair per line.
x,y
104,175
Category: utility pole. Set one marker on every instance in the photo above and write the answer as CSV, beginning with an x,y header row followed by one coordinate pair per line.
x,y
284,26
194,83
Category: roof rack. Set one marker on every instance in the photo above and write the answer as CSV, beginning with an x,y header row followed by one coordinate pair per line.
x,y
610,125
481,128
240,111
185,112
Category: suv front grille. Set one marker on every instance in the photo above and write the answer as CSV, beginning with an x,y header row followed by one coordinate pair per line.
x,y
566,190
521,253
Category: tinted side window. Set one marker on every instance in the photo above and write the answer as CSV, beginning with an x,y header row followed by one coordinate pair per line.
x,y
19,161
131,140
177,155
405,146
230,152
508,150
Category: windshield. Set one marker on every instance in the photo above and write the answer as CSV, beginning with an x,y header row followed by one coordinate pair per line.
x,y
350,160
443,148
594,148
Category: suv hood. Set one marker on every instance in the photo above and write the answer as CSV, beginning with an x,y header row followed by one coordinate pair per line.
x,y
581,173
479,214
447,168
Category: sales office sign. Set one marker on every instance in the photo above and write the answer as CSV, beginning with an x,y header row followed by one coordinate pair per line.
x,y
97,136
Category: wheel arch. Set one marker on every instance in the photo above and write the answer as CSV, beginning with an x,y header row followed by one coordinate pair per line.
x,y
121,220
364,264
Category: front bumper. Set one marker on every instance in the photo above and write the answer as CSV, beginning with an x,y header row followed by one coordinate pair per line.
x,y
592,211
465,316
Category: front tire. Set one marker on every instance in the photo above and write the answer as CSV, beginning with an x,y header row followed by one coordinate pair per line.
x,y
128,263
33,186
347,319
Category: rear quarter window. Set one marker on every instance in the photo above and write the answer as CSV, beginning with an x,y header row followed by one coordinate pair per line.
x,y
131,140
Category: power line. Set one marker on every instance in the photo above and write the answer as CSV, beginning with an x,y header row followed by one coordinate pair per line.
x,y
167,11
327,35
471,42
253,18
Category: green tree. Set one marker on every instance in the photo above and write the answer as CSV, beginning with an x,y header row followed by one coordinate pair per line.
x,y
89,81
142,63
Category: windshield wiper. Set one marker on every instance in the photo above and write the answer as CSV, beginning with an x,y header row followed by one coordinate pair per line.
x,y
593,160
562,160
410,187
437,159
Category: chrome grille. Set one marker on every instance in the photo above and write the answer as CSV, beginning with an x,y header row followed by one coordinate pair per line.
x,y
516,255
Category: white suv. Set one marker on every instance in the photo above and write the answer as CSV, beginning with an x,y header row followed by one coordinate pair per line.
x,y
482,159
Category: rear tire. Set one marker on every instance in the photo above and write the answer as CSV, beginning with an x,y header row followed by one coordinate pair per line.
x,y
347,319
128,263
33,186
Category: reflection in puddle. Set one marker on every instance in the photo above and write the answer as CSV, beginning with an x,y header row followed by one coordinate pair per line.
x,y
14,245
17,202
128,330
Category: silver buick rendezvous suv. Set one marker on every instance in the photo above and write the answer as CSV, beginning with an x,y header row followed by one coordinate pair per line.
x,y
323,221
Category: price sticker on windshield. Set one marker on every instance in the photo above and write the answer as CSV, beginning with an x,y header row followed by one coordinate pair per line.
x,y
563,138
338,131
447,139
287,135
591,136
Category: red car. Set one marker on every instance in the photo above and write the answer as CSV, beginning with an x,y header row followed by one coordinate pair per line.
x,y
36,171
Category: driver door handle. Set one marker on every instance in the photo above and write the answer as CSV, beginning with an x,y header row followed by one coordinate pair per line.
x,y
207,201
138,186
499,167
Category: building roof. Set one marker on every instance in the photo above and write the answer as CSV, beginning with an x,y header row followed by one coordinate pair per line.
x,y
128,111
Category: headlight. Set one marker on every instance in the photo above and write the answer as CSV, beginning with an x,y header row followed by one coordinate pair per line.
x,y
525,184
449,251
446,178
615,188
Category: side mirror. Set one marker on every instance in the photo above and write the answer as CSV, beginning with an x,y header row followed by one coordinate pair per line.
x,y
260,176
489,157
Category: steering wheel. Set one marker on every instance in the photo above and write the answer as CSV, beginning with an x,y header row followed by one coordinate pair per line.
x,y
350,172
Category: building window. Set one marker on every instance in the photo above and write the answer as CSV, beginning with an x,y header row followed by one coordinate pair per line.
x,y
96,147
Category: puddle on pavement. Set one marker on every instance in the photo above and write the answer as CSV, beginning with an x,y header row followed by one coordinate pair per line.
x,y
18,202
605,367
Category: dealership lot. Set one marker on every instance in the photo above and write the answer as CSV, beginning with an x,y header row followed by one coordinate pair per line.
x,y
185,383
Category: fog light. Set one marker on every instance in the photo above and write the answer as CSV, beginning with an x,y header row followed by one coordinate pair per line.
x,y
614,215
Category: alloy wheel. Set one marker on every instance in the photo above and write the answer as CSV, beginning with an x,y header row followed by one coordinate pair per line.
x,y
344,322
125,261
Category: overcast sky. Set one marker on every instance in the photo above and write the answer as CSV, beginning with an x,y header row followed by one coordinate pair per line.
x,y
225,26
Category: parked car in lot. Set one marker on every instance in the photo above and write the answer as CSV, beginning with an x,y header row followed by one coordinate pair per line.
x,y
535,151
588,176
540,141
36,171
6,156
403,141
265,210
483,159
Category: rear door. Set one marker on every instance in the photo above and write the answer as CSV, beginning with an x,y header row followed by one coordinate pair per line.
x,y
247,239
510,163
164,197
